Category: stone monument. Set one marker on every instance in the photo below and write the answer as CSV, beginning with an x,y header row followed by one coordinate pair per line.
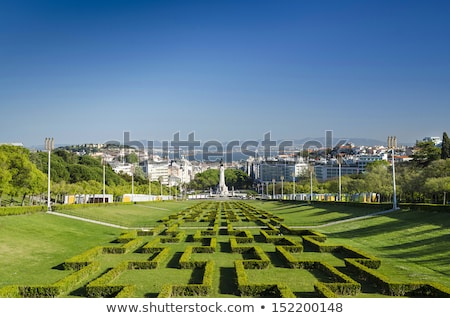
x,y
223,189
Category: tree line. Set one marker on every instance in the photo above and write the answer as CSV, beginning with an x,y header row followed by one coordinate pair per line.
x,y
23,177
424,179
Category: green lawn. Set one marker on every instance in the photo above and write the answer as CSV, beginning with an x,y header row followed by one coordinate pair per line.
x,y
132,215
304,214
412,245
31,246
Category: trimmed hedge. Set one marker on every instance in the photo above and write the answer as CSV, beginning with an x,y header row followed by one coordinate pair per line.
x,y
61,287
259,290
191,290
126,248
101,286
21,210
388,287
175,237
79,261
157,258
152,232
67,283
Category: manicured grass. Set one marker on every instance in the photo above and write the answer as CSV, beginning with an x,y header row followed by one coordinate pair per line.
x,y
31,246
130,215
304,214
413,246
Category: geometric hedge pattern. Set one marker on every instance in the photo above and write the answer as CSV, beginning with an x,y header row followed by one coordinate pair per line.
x,y
230,248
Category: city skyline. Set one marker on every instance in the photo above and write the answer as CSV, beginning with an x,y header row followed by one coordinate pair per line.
x,y
87,71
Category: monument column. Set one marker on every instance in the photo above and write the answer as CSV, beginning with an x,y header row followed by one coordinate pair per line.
x,y
222,186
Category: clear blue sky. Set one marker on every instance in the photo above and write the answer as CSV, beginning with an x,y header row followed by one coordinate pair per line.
x,y
86,71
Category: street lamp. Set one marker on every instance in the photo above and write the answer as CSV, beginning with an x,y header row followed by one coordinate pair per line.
x,y
104,179
49,146
392,143
282,187
339,160
273,188
132,182
311,169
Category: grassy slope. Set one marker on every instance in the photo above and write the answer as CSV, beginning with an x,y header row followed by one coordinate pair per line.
x,y
137,215
412,245
31,245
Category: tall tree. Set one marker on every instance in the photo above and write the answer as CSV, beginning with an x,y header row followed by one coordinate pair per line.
x,y
425,152
5,175
445,149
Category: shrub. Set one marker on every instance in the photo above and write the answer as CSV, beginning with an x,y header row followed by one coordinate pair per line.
x,y
79,261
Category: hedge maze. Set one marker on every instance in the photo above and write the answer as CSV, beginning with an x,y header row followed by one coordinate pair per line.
x,y
226,249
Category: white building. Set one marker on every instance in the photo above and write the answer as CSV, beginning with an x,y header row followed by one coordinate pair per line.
x,y
156,170
437,140
267,171
181,170
118,167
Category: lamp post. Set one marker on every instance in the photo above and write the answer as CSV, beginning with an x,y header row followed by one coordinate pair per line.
x,y
282,187
49,146
311,169
339,160
392,143
132,183
273,188
104,180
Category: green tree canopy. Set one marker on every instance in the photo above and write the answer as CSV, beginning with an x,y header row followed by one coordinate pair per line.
x,y
445,149
426,152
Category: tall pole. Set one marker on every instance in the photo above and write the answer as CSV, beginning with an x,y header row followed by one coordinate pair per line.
x,y
104,182
392,143
282,187
340,178
311,182
132,183
49,145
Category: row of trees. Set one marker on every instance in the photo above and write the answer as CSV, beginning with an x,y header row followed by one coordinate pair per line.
x,y
23,174
425,179
209,179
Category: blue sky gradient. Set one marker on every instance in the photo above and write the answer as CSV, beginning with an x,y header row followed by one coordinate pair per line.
x,y
86,71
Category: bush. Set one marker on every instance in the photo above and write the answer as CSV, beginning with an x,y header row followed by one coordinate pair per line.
x,y
79,261
191,290
101,288
20,210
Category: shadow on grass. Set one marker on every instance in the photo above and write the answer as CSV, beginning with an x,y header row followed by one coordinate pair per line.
x,y
276,260
225,247
197,276
174,262
227,283
79,292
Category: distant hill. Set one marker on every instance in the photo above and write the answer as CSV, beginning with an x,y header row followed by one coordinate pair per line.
x,y
356,141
